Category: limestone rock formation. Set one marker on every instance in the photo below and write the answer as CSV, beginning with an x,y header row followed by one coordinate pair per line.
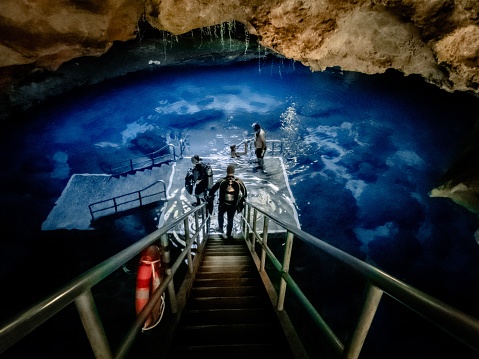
x,y
437,39
460,183
462,194
47,33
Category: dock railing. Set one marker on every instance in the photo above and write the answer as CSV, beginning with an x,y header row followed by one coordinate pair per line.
x,y
165,154
274,147
453,321
128,201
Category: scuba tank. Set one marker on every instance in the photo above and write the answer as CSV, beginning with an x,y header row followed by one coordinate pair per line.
x,y
229,192
189,181
209,176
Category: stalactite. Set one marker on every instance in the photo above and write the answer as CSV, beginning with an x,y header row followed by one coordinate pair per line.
x,y
246,40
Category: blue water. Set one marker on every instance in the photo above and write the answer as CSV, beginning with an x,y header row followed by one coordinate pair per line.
x,y
362,154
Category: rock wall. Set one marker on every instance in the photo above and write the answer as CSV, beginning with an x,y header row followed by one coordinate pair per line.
x,y
437,39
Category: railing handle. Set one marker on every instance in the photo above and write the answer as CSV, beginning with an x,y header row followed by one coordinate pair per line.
x,y
253,240
92,324
264,243
371,303
187,241
287,259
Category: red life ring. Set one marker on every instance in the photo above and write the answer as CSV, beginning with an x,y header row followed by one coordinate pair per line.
x,y
148,278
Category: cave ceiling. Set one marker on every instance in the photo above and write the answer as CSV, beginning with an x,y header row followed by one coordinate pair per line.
x,y
436,39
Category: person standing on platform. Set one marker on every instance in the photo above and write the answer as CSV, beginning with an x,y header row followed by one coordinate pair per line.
x,y
199,177
259,144
232,194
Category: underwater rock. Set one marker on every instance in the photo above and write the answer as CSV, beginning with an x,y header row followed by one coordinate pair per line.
x,y
462,194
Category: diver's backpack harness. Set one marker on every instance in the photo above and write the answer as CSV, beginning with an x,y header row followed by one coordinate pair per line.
x,y
230,189
192,175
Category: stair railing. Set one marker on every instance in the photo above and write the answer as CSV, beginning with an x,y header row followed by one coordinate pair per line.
x,y
79,289
151,159
128,201
458,324
463,327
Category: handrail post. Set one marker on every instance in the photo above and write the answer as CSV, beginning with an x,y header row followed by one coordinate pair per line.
x,y
287,258
197,224
174,151
243,220
264,244
248,216
371,303
115,205
131,164
139,198
86,307
165,243
91,213
205,219
187,241
253,240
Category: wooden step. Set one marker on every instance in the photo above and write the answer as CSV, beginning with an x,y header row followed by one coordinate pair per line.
x,y
228,302
233,351
227,316
255,333
225,281
222,292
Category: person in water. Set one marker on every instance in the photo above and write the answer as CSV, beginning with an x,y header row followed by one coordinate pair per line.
x,y
235,153
259,144
231,198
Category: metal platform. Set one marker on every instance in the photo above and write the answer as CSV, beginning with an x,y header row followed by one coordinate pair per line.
x,y
268,189
71,210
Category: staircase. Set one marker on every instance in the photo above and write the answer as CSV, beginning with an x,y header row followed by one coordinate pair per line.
x,y
228,313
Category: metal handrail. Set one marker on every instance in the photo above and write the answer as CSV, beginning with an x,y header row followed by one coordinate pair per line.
x,y
458,324
272,145
138,163
272,149
116,203
79,291
462,326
